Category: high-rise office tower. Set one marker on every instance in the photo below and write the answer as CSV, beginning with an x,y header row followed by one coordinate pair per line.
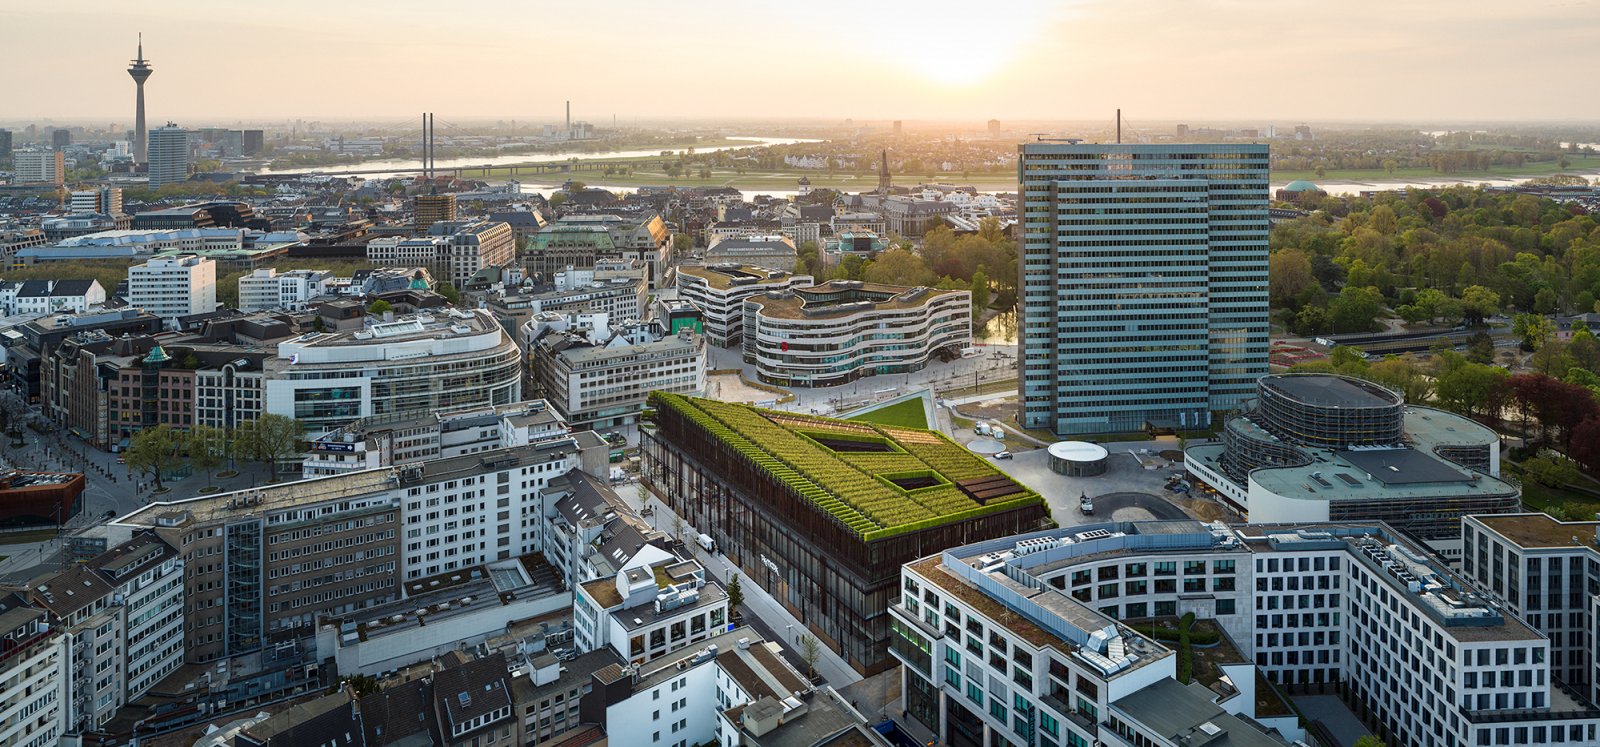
x,y
60,138
253,142
169,155
140,70
5,145
104,200
1143,283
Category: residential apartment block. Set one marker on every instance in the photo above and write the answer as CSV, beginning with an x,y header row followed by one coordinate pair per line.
x,y
174,286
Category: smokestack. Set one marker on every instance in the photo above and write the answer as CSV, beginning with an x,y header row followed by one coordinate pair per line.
x,y
424,143
569,116
1119,126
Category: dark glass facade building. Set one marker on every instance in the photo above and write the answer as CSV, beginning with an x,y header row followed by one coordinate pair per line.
x,y
837,579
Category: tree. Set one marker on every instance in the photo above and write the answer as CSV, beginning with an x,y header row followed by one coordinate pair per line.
x,y
1472,389
677,527
1532,330
268,439
810,652
681,244
1478,303
379,307
1480,347
1369,741
980,293
205,446
1586,444
735,593
899,267
1356,309
449,292
154,451
1289,273
1551,471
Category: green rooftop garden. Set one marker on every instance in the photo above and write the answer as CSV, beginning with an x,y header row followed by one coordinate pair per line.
x,y
907,413
876,480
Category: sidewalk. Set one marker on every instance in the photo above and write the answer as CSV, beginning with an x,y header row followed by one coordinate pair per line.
x,y
785,628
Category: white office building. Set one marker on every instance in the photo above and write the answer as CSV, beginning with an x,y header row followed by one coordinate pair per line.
x,y
598,382
39,167
735,690
383,442
1548,572
658,603
844,330
174,286
1030,639
719,291
402,251
267,289
413,365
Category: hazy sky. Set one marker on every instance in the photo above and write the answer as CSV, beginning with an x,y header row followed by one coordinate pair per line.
x,y
1194,60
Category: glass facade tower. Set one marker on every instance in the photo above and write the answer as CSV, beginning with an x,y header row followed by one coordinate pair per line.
x,y
1143,283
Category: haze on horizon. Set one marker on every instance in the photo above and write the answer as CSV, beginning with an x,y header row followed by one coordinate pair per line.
x,y
1159,60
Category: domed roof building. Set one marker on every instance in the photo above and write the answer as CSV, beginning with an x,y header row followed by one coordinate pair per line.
x,y
1298,189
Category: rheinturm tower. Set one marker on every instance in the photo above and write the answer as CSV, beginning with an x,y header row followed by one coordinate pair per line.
x,y
140,71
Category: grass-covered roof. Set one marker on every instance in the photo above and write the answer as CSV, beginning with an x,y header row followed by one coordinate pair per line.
x,y
877,480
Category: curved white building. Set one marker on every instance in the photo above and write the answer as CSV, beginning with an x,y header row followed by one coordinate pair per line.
x,y
414,364
719,292
844,330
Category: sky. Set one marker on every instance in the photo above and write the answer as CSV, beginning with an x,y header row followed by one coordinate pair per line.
x,y
1159,60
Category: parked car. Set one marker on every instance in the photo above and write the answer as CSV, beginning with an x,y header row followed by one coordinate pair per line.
x,y
1003,455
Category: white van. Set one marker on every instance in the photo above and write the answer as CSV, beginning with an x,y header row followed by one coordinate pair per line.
x,y
706,543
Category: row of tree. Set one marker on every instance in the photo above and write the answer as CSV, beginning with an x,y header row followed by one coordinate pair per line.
x,y
160,450
1447,255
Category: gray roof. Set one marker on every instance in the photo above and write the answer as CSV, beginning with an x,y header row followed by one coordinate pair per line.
x,y
1331,390
1179,712
330,719
1403,466
472,690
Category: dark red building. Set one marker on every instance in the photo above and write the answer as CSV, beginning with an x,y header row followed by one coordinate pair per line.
x,y
30,498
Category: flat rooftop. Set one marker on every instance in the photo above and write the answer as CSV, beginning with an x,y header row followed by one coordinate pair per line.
x,y
725,276
269,498
1543,530
1332,477
1182,713
837,299
1403,466
1335,391
446,323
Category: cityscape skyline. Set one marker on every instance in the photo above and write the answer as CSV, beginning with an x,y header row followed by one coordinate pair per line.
x,y
1106,54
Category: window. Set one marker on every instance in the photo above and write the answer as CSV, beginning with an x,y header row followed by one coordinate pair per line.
x,y
974,693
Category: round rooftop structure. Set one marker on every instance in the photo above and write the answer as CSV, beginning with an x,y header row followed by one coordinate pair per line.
x,y
1301,185
1078,458
1328,411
